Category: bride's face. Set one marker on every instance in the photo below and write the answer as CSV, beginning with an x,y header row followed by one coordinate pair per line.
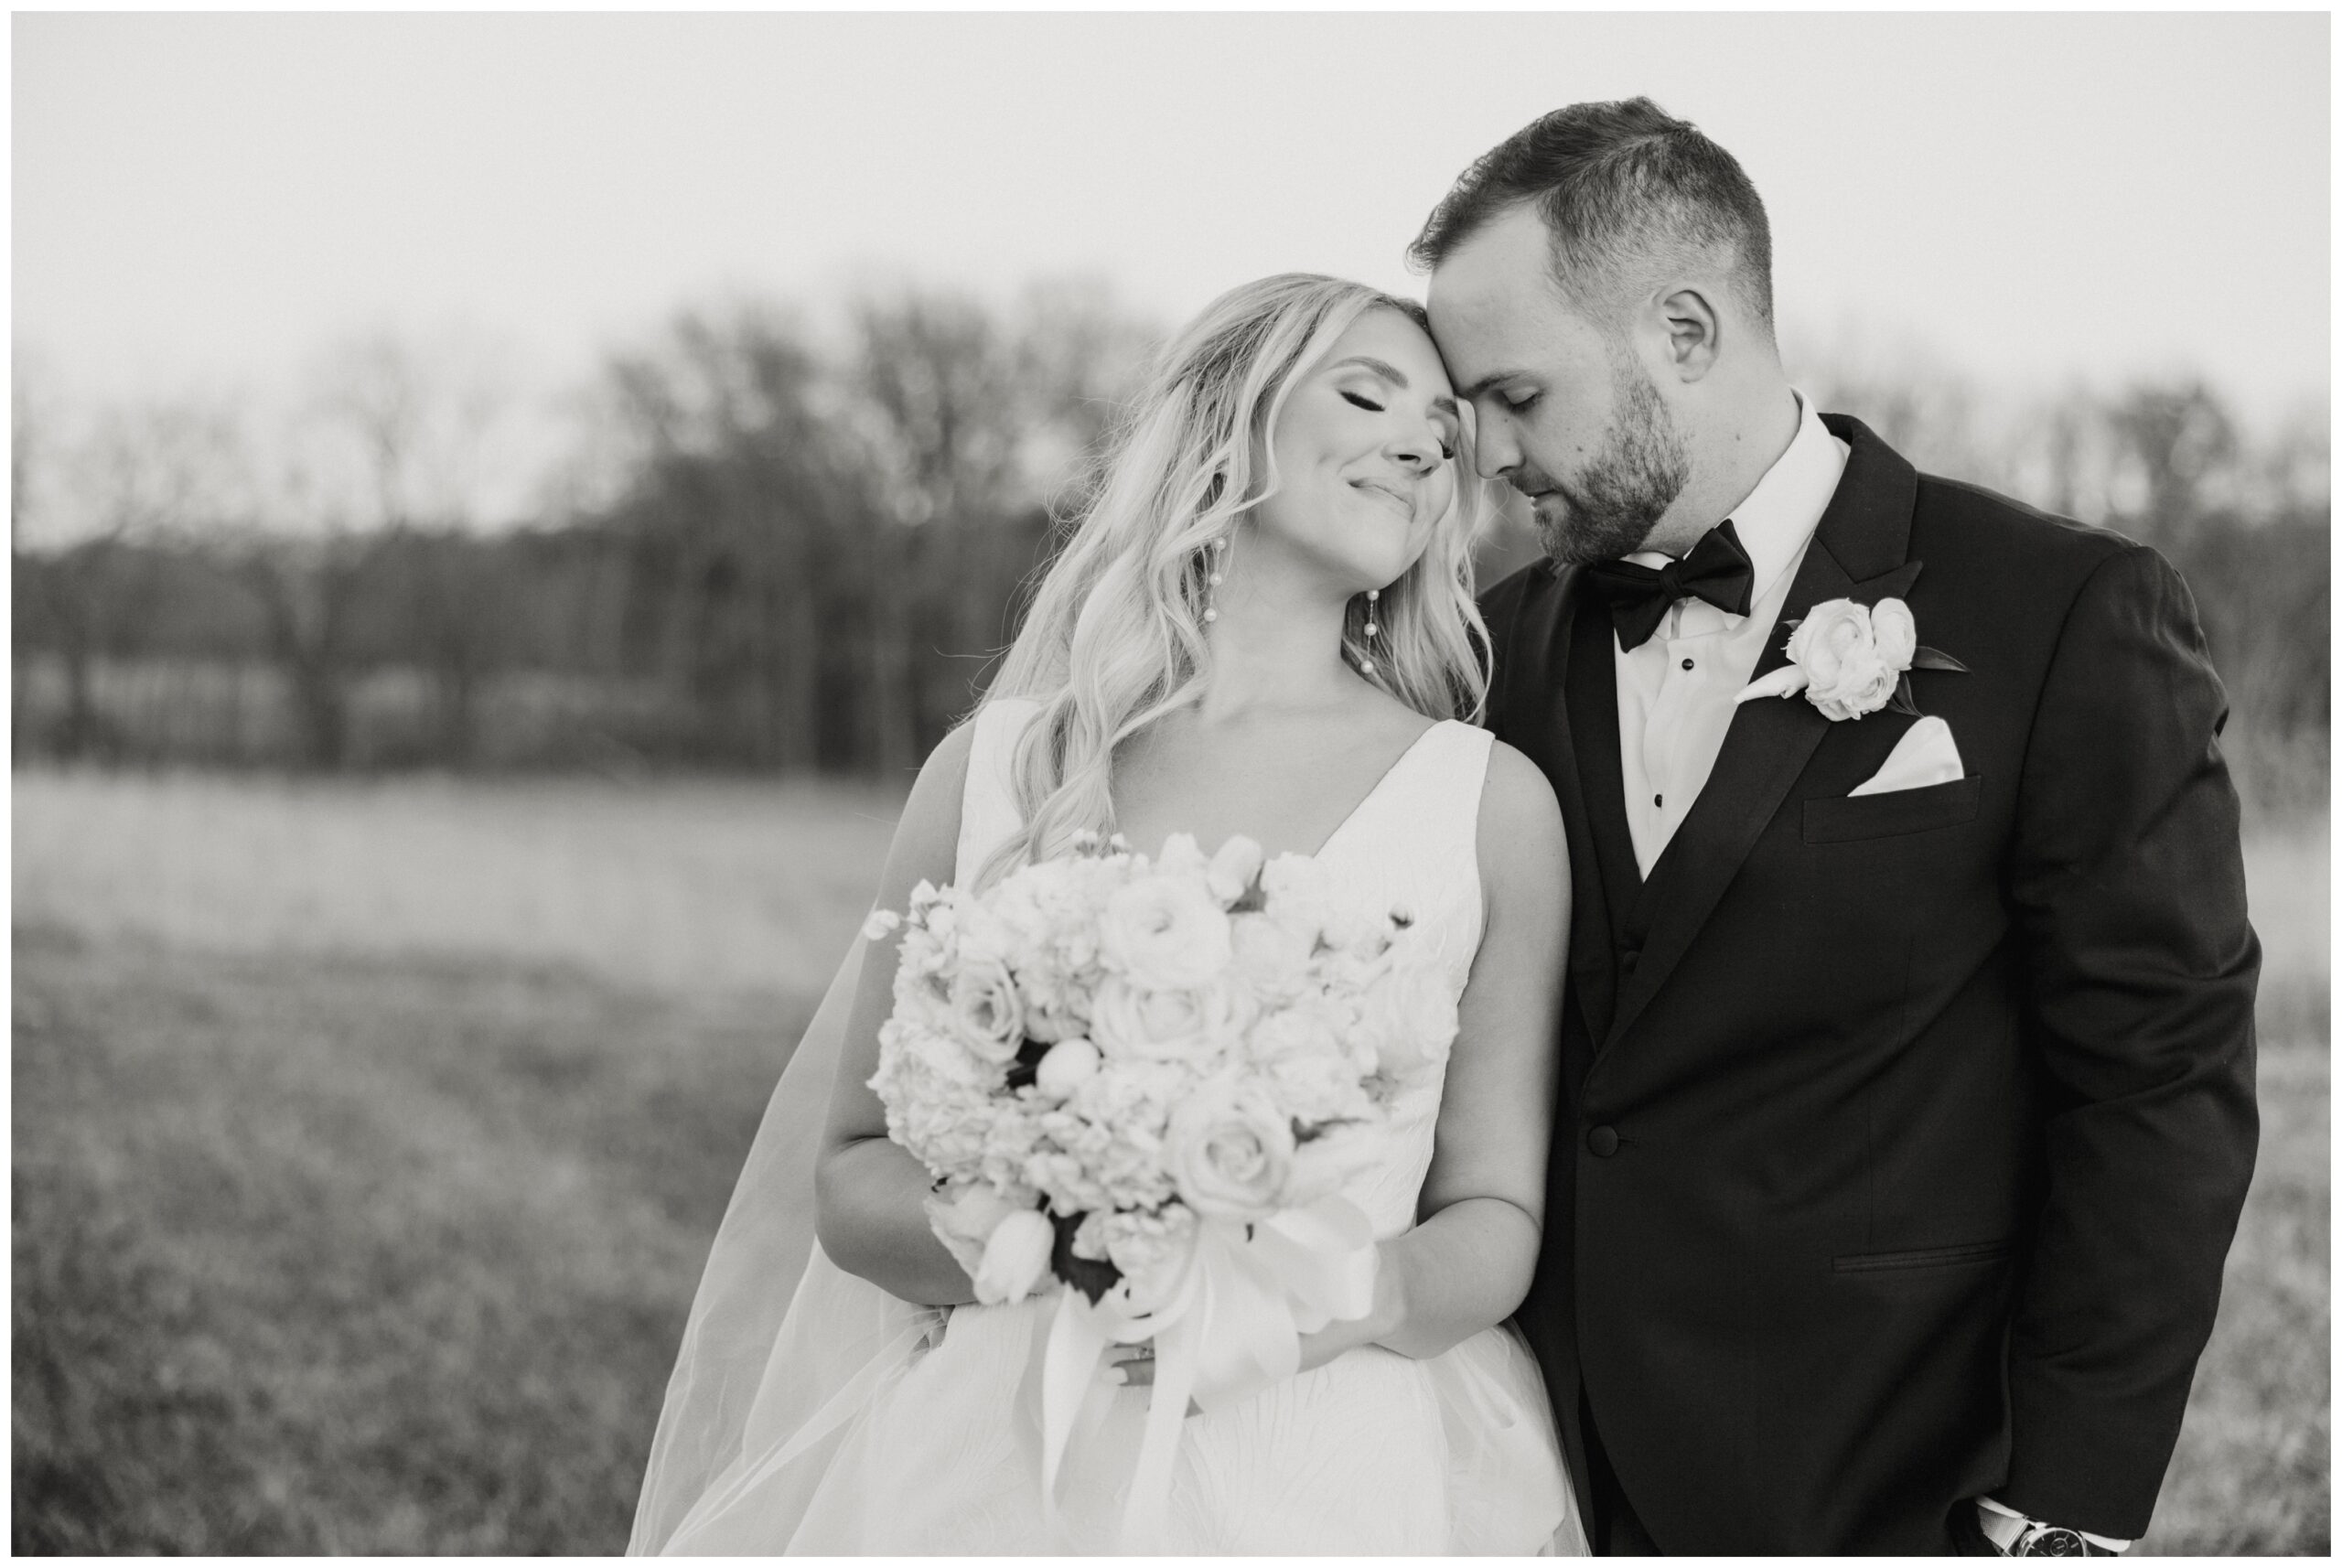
x,y
1365,452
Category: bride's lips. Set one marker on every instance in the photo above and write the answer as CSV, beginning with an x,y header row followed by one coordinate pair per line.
x,y
1402,498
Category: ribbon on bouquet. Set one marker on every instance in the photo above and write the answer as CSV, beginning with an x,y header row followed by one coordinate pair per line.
x,y
1230,1326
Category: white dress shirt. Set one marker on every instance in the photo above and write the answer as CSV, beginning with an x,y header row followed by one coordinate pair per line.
x,y
1676,691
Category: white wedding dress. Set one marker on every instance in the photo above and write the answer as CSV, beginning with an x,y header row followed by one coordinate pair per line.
x,y
918,1430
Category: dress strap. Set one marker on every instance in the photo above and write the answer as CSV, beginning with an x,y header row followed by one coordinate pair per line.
x,y
1430,801
988,811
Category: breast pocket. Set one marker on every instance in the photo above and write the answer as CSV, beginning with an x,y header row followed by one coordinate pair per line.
x,y
1894,813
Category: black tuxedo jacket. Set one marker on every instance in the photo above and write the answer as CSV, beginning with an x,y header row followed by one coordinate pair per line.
x,y
1902,1137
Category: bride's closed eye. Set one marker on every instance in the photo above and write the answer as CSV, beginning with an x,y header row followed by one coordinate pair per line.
x,y
1446,448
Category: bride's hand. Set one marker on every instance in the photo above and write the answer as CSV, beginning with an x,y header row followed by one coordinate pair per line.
x,y
1135,1364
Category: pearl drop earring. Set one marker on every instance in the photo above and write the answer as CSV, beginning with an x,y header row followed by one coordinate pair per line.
x,y
1217,575
1373,598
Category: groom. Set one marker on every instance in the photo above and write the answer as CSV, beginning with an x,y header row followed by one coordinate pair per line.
x,y
1907,1097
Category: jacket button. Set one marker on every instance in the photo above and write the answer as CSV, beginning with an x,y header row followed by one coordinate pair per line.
x,y
1627,960
1603,1141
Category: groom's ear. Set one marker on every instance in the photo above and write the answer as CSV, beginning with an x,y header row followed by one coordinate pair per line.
x,y
1693,328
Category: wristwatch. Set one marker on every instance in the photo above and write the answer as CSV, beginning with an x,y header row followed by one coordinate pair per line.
x,y
2012,1534
2038,1540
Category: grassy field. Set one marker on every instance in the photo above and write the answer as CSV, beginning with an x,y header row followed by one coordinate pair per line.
x,y
367,1140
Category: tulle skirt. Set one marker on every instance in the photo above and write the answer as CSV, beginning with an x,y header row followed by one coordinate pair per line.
x,y
931,1442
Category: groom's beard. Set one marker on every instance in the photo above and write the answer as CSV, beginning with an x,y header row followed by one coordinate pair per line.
x,y
1608,508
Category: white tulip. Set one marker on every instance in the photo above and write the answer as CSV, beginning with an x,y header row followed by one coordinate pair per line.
x,y
1015,1258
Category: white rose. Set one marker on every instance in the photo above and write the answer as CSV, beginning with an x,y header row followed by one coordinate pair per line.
x,y
1166,1026
1898,633
1834,647
1068,1064
1015,1258
1232,869
1230,1149
985,1012
1163,933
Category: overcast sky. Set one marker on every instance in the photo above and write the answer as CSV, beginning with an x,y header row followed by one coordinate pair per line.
x,y
211,198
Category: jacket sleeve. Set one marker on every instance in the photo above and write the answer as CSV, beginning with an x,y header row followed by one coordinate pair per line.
x,y
2127,878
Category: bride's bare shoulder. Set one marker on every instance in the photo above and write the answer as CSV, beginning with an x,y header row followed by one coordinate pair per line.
x,y
1520,829
926,835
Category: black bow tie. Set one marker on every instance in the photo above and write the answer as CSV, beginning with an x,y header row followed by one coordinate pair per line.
x,y
1716,570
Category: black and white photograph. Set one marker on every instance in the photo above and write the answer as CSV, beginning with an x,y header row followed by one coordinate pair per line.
x,y
1189,783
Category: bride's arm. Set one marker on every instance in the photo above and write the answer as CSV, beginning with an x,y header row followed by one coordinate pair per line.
x,y
1468,1263
868,1190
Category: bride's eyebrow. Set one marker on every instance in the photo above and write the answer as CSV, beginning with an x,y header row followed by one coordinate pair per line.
x,y
1392,374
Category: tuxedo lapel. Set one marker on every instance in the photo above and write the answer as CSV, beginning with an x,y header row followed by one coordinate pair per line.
x,y
1858,551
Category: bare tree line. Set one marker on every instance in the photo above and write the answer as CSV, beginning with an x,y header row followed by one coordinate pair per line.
x,y
795,551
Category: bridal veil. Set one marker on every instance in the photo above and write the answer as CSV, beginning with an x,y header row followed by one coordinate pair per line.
x,y
782,1348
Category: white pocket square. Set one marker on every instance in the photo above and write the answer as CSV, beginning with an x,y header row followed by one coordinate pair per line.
x,y
1924,756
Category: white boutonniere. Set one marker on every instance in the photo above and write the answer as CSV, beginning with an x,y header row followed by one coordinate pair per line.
x,y
1849,661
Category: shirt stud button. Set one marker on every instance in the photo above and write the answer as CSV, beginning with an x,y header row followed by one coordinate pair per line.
x,y
1659,801
1687,664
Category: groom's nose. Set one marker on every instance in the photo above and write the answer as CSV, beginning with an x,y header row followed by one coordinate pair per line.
x,y
1494,449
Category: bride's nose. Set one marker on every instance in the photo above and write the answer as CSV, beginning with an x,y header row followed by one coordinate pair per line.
x,y
1418,451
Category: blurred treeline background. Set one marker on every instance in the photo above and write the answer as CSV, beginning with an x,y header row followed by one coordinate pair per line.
x,y
780,552
417,895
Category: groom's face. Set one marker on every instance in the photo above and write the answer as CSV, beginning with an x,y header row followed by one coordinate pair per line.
x,y
1565,414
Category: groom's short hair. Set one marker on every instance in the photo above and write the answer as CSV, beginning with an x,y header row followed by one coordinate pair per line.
x,y
1626,191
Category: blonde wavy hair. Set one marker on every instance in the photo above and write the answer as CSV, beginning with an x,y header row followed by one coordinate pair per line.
x,y
1114,639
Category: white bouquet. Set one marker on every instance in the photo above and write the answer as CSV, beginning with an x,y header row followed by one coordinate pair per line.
x,y
1149,1082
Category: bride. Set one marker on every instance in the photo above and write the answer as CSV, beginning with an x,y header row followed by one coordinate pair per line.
x,y
1260,626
